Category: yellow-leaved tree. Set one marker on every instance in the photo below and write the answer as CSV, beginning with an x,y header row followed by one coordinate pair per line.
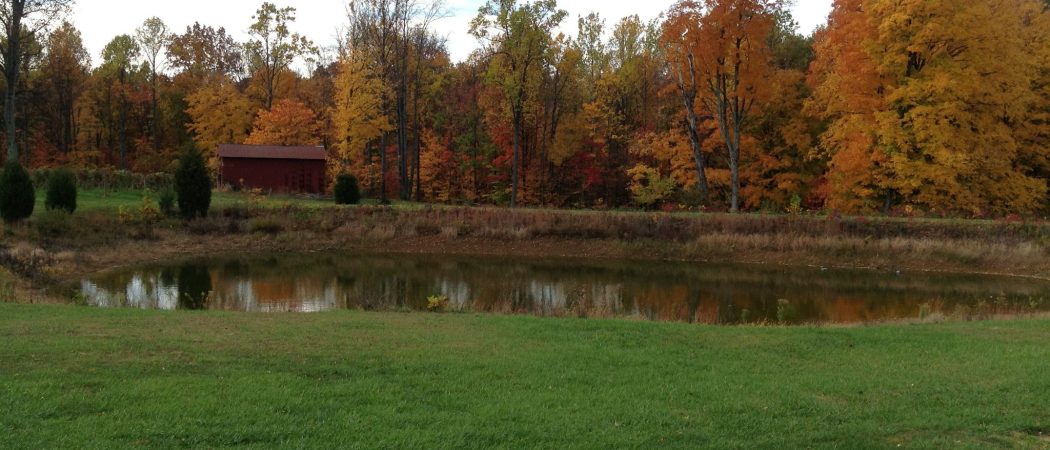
x,y
926,104
358,118
959,83
220,114
648,187
1035,133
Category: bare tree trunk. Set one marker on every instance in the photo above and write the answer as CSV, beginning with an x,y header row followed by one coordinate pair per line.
x,y
516,159
402,126
732,143
271,78
65,115
734,177
723,126
405,184
418,149
738,108
402,141
9,124
22,110
122,144
416,122
475,150
12,60
693,122
371,170
382,170
156,114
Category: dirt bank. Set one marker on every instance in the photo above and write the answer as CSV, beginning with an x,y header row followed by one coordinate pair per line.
x,y
44,252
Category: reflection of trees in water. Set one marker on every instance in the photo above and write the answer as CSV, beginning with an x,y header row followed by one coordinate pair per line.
x,y
658,291
194,282
344,284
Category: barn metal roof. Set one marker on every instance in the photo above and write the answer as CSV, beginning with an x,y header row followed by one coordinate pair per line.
x,y
270,152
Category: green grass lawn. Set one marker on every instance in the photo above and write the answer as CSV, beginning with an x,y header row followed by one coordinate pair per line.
x,y
94,199
89,378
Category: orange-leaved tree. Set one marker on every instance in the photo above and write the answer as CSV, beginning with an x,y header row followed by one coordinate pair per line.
x,y
681,43
290,122
732,63
847,93
782,169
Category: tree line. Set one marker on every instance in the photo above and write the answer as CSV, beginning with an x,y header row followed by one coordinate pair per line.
x,y
894,105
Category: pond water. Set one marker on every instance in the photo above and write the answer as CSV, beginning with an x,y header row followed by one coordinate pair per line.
x,y
685,292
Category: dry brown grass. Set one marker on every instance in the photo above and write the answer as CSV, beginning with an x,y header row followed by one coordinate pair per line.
x,y
99,241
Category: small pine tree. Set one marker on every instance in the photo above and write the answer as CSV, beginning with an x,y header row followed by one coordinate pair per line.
x,y
193,185
347,192
167,202
61,191
17,194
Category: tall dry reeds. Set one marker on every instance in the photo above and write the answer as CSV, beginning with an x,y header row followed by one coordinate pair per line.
x,y
976,246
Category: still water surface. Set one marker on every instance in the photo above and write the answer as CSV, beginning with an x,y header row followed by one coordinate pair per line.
x,y
686,292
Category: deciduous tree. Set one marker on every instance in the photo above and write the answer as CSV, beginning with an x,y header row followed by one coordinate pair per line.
x,y
274,47
680,38
206,54
358,119
848,91
118,59
290,122
959,83
220,115
66,71
516,38
152,38
732,65
22,19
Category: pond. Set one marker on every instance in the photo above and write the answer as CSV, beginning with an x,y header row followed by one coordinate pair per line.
x,y
683,292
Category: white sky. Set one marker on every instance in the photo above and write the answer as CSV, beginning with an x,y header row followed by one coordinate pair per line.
x,y
101,20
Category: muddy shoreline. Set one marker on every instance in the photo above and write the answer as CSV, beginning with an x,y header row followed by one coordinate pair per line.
x,y
37,257
133,253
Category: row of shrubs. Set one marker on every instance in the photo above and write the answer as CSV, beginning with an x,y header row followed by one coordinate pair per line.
x,y
191,182
140,221
108,179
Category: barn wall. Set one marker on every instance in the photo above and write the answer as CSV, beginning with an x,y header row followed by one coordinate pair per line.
x,y
277,175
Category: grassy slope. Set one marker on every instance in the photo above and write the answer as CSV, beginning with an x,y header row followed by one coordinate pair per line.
x,y
80,377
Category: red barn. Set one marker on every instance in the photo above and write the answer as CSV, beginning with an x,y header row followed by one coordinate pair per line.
x,y
273,168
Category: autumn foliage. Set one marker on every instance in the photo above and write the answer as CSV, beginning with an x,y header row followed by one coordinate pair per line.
x,y
288,123
895,106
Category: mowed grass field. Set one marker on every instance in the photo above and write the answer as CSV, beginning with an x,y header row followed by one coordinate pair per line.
x,y
100,199
95,199
77,377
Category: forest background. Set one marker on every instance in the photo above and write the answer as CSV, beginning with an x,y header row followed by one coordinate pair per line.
x,y
898,107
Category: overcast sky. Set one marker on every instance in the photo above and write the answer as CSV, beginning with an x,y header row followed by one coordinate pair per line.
x,y
101,20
